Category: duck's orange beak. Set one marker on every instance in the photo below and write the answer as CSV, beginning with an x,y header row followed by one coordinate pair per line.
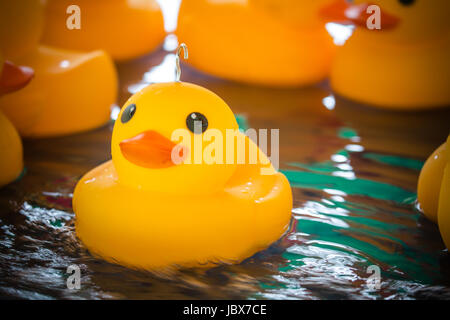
x,y
14,77
344,12
150,149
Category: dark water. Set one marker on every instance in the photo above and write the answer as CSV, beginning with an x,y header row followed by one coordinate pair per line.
x,y
344,220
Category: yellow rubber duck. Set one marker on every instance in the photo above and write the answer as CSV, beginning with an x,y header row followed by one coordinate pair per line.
x,y
143,211
264,42
11,161
123,28
404,65
71,91
433,190
12,78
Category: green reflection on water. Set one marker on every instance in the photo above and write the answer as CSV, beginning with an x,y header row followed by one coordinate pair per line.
x,y
394,160
242,122
354,230
347,133
369,188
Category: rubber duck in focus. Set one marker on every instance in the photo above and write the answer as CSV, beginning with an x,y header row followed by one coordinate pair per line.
x,y
433,191
124,29
67,86
156,212
402,66
268,42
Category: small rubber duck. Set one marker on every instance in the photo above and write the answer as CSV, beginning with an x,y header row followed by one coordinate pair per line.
x,y
404,65
11,161
16,39
156,210
71,91
263,42
433,190
13,78
124,29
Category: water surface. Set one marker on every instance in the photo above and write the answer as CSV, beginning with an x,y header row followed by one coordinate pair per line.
x,y
353,171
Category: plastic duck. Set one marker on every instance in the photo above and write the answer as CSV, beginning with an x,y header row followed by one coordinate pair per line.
x,y
12,78
433,191
125,29
404,65
270,42
11,161
155,212
71,91
18,38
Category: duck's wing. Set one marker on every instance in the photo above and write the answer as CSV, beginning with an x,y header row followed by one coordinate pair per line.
x,y
267,190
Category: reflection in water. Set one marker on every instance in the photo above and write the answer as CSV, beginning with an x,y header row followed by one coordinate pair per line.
x,y
115,110
164,72
414,132
170,9
339,32
329,102
170,43
341,226
351,224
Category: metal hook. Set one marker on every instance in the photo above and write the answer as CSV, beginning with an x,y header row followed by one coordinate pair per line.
x,y
186,56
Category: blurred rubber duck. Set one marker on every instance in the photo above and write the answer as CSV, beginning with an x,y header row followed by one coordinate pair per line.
x,y
155,213
433,190
71,91
404,65
264,42
13,78
11,160
125,29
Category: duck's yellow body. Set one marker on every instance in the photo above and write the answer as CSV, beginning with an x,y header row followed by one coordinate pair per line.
x,y
444,199
271,42
71,91
403,66
124,29
151,230
433,191
11,159
141,211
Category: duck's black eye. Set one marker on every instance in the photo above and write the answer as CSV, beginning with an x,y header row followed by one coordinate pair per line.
x,y
128,113
196,122
406,2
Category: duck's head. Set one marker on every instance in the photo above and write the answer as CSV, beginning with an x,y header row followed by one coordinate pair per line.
x,y
150,143
21,24
401,20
